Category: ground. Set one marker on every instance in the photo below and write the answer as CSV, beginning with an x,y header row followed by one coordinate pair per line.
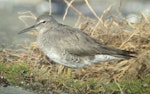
x,y
32,70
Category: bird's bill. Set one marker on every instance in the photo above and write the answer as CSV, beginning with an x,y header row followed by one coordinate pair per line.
x,y
27,29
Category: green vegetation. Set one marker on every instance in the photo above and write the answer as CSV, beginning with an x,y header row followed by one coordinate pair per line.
x,y
17,73
14,73
32,70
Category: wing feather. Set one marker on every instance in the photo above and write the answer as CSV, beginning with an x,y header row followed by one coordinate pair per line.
x,y
79,43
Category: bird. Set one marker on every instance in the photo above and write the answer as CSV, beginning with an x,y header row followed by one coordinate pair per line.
x,y
72,47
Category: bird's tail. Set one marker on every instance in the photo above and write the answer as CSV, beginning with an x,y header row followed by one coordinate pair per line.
x,y
127,54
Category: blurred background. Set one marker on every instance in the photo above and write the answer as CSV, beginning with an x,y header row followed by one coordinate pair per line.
x,y
10,24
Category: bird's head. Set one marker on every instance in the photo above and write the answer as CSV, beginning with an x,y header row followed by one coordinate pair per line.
x,y
43,24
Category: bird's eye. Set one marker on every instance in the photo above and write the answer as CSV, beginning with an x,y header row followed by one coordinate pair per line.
x,y
44,22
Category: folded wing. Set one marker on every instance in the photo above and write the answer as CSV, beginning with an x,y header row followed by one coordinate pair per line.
x,y
79,43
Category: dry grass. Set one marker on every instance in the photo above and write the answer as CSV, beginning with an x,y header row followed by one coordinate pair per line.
x,y
44,76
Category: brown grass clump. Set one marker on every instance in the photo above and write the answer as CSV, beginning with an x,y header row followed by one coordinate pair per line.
x,y
42,75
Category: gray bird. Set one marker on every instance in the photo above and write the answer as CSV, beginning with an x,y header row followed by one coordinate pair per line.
x,y
70,46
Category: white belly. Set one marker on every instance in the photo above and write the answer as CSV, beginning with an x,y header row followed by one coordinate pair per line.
x,y
53,55
84,61
59,58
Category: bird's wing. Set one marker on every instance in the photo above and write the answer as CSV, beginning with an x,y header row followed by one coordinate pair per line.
x,y
79,43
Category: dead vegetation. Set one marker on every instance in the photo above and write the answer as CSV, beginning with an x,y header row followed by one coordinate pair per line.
x,y
44,76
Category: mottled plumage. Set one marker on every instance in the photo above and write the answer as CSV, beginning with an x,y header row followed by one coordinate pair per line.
x,y
70,46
